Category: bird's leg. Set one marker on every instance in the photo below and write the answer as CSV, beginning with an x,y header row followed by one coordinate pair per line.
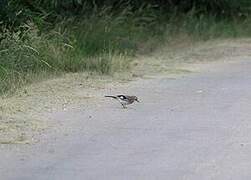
x,y
123,105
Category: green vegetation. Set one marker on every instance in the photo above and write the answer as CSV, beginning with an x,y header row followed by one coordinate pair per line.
x,y
40,38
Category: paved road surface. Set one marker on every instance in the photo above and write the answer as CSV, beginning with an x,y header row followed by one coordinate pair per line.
x,y
196,127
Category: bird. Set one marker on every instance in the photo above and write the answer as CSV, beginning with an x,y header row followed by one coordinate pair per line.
x,y
124,99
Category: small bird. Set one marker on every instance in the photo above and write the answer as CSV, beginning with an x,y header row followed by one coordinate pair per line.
x,y
124,99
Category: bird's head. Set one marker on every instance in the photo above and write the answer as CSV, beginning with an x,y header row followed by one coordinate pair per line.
x,y
136,99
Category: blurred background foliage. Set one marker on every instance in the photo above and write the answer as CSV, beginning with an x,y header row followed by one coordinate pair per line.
x,y
14,13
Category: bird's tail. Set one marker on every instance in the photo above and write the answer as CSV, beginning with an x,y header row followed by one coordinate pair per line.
x,y
114,97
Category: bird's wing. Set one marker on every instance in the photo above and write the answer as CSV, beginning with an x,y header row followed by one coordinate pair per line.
x,y
122,97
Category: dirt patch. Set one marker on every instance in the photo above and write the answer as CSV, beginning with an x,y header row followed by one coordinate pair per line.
x,y
179,56
22,115
19,129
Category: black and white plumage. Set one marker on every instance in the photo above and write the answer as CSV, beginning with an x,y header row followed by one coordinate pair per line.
x,y
124,99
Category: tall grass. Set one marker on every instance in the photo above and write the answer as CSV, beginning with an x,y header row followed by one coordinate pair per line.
x,y
205,27
100,41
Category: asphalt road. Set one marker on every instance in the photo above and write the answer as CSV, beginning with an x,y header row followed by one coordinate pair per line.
x,y
196,127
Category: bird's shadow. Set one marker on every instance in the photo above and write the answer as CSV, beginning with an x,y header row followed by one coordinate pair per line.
x,y
121,108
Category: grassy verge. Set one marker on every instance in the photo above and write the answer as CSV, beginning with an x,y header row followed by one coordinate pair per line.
x,y
103,41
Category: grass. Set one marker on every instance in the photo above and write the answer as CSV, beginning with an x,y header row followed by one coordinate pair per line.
x,y
102,41
207,27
